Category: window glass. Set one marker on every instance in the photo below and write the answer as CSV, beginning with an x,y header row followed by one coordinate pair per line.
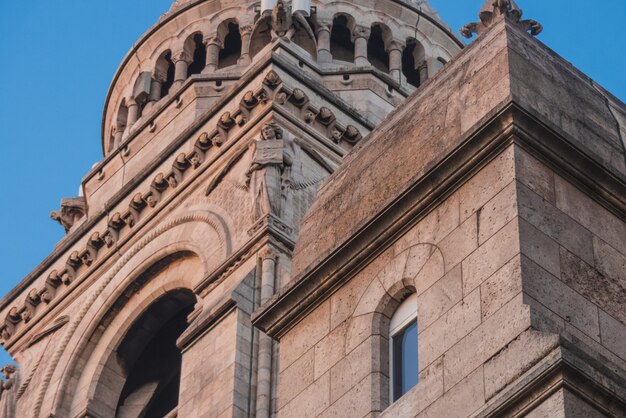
x,y
403,348
405,373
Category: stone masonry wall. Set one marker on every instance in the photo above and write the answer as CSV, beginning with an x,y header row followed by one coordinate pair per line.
x,y
513,258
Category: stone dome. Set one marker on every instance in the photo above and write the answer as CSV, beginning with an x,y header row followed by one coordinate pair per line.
x,y
212,43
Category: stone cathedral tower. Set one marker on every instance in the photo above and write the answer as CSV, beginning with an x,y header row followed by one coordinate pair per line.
x,y
330,208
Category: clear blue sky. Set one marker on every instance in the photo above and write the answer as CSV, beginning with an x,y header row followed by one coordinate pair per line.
x,y
60,56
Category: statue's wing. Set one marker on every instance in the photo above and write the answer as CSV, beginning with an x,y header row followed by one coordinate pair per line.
x,y
301,183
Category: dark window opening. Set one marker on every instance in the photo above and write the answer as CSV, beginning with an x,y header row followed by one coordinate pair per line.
x,y
152,360
199,56
376,53
231,52
409,69
341,45
405,366
169,79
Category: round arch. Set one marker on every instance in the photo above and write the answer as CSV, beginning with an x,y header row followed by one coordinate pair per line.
x,y
160,244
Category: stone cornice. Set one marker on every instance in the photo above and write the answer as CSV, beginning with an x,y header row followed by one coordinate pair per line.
x,y
502,128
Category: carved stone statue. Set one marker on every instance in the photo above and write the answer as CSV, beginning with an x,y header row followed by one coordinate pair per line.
x,y
285,23
492,9
72,210
272,159
9,389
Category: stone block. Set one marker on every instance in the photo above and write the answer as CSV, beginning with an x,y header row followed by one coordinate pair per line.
x,y
295,378
534,175
461,400
448,330
491,256
613,334
496,213
610,262
330,350
554,223
495,333
433,270
459,243
440,297
355,366
560,298
518,357
590,214
357,402
501,287
487,183
605,292
310,402
302,338
540,248
428,390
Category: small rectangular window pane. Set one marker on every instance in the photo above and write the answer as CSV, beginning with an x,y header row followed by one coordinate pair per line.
x,y
405,371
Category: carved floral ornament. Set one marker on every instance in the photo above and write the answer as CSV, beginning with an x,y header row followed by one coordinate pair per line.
x,y
492,10
101,243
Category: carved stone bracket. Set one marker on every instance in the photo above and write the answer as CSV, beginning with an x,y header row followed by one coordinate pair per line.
x,y
493,10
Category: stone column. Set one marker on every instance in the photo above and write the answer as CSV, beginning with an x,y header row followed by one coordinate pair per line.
x,y
423,70
155,90
181,61
118,136
264,370
361,35
246,35
213,47
133,113
395,61
323,43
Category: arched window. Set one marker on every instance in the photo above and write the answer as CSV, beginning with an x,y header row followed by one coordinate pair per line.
x,y
403,348
376,53
151,359
165,72
413,57
341,45
198,54
230,54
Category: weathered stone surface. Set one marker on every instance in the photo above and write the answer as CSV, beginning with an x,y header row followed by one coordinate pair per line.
x,y
605,292
516,358
560,298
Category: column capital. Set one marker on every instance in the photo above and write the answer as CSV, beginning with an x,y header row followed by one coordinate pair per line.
x,y
213,40
268,253
396,46
324,27
181,56
361,32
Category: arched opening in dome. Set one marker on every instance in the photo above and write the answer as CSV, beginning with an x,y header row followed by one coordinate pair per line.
x,y
198,54
413,57
341,44
165,72
151,358
119,126
231,52
376,51
261,37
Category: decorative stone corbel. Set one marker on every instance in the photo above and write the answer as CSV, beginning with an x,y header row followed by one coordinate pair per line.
x,y
493,10
72,210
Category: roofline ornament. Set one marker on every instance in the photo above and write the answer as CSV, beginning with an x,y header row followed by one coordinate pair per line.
x,y
492,10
